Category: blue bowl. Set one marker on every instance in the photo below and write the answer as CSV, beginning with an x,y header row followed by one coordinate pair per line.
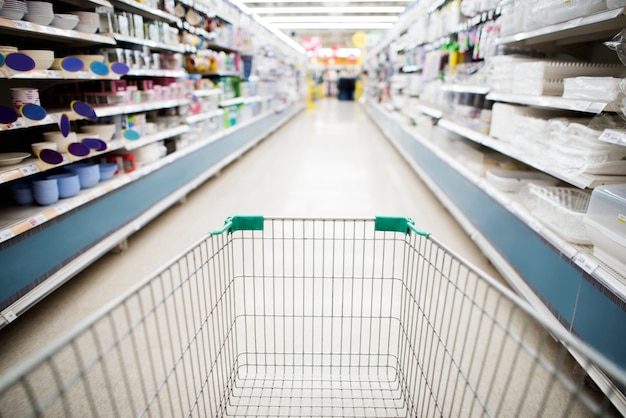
x,y
46,185
107,170
23,194
88,174
69,184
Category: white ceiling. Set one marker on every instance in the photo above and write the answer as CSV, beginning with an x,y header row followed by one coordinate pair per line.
x,y
334,21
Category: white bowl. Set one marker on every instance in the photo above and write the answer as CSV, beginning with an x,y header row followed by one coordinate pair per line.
x,y
89,58
90,18
105,132
62,23
37,147
60,140
85,28
12,14
39,19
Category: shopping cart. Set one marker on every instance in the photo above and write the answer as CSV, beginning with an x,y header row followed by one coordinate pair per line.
x,y
312,317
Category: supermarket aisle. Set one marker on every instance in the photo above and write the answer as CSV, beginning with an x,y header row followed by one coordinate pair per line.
x,y
331,161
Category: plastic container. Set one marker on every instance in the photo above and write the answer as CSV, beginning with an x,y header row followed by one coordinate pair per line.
x,y
605,224
561,209
88,174
107,170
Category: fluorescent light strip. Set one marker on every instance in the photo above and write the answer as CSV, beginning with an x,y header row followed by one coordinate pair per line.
x,y
334,25
327,10
324,1
330,19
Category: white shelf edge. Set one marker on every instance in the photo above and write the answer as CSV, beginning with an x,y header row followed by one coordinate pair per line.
x,y
29,27
182,48
562,27
149,11
430,111
460,88
203,116
138,107
207,92
156,73
553,102
148,139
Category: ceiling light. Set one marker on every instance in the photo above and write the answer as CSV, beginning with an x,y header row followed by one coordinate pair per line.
x,y
327,10
334,25
324,19
326,1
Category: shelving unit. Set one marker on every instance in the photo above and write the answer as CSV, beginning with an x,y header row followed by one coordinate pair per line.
x,y
99,218
563,280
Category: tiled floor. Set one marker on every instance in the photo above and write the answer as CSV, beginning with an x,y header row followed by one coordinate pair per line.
x,y
327,162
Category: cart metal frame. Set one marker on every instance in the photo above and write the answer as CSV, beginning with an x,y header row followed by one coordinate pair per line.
x,y
297,317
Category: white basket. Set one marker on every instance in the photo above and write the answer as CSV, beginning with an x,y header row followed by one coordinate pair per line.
x,y
562,209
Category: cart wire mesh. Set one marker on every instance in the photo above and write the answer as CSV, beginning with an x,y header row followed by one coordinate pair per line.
x,y
276,317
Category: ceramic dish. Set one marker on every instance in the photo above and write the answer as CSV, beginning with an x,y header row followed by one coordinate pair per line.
x,y
10,158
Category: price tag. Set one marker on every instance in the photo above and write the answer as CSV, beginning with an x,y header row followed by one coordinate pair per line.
x,y
63,207
20,24
613,136
39,219
587,263
6,234
53,74
81,199
29,169
18,124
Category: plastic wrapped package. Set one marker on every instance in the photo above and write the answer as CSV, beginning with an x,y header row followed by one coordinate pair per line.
x,y
604,89
542,13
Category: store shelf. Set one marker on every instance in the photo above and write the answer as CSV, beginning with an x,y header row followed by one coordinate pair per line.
x,y
32,30
460,88
156,73
582,180
55,75
207,92
598,26
570,281
146,11
216,46
240,100
159,136
89,4
152,44
430,111
221,74
138,107
203,116
553,102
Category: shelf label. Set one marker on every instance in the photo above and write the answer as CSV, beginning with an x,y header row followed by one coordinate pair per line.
x,y
6,234
53,74
587,263
29,169
613,136
38,219
20,24
63,207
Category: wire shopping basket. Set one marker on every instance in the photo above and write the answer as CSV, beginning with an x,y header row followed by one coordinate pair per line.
x,y
273,317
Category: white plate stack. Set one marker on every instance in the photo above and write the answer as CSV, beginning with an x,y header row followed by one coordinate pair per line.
x,y
21,96
65,21
13,9
39,12
89,22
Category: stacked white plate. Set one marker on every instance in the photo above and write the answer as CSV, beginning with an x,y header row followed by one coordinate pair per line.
x,y
21,96
6,49
65,21
13,9
43,58
39,12
89,22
